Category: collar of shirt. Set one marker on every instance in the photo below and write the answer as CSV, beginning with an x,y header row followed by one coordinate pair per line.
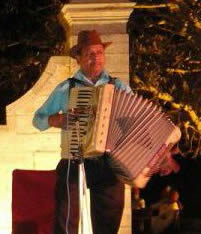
x,y
103,78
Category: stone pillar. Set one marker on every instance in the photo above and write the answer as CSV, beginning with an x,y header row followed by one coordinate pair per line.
x,y
110,19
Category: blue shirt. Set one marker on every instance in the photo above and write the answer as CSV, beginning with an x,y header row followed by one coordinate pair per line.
x,y
58,99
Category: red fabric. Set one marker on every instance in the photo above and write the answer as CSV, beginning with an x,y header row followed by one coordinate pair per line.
x,y
33,202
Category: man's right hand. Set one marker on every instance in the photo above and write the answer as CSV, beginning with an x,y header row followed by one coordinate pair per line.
x,y
61,120
58,120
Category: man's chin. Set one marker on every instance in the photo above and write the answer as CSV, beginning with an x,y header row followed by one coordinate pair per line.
x,y
96,72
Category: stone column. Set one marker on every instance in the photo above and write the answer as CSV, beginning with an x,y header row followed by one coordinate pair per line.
x,y
110,19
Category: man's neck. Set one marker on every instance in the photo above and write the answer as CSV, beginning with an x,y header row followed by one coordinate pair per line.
x,y
93,79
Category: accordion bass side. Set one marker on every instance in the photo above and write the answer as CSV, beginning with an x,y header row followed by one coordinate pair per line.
x,y
131,129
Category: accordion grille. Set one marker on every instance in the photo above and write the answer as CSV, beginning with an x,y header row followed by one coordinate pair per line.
x,y
139,131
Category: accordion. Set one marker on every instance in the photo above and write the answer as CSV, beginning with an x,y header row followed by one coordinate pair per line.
x,y
133,131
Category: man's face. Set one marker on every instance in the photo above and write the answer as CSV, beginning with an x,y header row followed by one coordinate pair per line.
x,y
92,60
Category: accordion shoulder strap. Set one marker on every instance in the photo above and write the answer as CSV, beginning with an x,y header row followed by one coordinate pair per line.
x,y
73,81
112,80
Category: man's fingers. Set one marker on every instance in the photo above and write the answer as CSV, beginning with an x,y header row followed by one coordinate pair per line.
x,y
81,110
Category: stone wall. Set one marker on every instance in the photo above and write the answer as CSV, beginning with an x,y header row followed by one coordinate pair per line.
x,y
22,146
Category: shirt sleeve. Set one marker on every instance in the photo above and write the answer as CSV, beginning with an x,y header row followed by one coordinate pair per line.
x,y
56,102
121,85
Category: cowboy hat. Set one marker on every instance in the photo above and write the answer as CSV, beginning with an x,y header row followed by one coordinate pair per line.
x,y
85,39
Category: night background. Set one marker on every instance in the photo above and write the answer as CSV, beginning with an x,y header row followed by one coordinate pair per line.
x,y
165,59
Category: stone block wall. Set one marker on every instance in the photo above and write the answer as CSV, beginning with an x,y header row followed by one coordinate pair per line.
x,y
23,146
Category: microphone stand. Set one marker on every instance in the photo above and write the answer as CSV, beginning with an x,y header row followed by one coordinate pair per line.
x,y
85,226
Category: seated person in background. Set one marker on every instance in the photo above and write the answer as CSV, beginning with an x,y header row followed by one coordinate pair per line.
x,y
168,210
175,203
165,194
186,183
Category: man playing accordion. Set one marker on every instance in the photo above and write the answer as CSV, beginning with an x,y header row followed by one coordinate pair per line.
x,y
106,191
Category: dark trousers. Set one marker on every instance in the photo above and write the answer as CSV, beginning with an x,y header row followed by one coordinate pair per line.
x,y
106,195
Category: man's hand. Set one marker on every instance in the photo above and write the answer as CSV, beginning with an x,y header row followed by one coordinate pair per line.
x,y
170,163
58,120
61,120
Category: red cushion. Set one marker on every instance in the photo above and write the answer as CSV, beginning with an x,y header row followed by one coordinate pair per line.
x,y
33,202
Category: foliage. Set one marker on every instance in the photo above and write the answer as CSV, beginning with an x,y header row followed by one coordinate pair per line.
x,y
30,34
166,63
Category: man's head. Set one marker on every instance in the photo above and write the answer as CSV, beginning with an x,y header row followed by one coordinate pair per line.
x,y
90,53
92,60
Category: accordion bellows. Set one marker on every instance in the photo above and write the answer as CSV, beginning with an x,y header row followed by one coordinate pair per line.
x,y
132,130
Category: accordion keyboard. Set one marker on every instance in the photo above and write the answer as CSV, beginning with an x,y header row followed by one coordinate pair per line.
x,y
91,134
81,99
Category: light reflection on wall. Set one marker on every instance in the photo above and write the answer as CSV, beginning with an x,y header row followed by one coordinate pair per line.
x,y
14,154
